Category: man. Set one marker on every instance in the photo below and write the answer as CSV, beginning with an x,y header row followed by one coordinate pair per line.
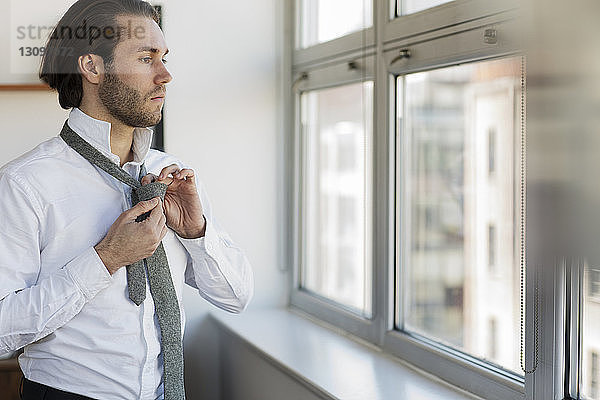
x,y
91,279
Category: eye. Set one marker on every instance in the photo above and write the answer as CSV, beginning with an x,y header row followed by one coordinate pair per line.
x,y
146,60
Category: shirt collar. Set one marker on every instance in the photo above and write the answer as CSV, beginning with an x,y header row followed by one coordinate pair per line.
x,y
97,133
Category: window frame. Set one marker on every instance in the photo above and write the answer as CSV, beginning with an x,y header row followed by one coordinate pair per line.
x,y
321,78
463,370
443,16
445,35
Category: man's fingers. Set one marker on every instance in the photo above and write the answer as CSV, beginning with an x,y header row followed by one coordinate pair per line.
x,y
185,173
167,181
149,179
142,207
157,215
171,169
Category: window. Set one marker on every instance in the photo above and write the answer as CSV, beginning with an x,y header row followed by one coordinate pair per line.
x,y
492,340
336,137
592,388
406,183
590,337
491,151
323,20
404,7
594,283
444,167
491,246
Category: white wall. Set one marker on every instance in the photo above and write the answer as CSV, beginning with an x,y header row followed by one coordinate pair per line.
x,y
220,118
252,376
26,119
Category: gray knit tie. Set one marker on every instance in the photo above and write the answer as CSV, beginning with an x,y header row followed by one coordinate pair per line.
x,y
157,266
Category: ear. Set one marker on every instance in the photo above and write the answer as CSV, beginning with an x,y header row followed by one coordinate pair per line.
x,y
91,66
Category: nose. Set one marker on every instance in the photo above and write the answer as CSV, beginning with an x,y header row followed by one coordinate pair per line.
x,y
163,76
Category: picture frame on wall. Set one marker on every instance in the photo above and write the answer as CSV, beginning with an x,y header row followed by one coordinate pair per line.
x,y
25,30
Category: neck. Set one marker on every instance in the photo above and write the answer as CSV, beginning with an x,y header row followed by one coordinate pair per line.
x,y
121,135
121,141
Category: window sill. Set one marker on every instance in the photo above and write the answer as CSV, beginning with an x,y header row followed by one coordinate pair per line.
x,y
329,362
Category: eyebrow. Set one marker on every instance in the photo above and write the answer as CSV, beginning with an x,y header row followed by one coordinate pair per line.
x,y
151,50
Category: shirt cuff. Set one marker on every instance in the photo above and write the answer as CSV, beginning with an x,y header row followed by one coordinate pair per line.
x,y
89,273
205,246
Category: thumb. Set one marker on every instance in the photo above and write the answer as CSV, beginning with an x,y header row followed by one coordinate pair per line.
x,y
142,207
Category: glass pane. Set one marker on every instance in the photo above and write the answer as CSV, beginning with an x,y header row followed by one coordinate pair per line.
x,y
590,374
324,20
337,134
459,211
413,6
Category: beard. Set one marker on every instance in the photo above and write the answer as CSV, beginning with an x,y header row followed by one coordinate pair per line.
x,y
126,103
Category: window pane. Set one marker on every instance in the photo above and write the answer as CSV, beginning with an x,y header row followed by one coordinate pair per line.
x,y
591,334
460,248
324,20
413,6
337,131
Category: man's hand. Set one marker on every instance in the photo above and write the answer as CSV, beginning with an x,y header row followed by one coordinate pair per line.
x,y
182,203
128,241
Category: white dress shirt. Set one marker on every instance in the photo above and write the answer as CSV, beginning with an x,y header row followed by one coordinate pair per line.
x,y
79,330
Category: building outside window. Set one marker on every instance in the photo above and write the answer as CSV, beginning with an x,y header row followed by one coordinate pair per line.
x,y
407,183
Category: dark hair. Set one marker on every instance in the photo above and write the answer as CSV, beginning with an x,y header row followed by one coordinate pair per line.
x,y
88,27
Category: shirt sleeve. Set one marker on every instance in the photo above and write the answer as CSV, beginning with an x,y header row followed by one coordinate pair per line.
x,y
217,267
30,308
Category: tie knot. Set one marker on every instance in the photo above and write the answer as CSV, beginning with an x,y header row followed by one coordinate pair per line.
x,y
148,192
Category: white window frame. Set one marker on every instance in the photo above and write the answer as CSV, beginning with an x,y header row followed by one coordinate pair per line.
x,y
449,34
321,78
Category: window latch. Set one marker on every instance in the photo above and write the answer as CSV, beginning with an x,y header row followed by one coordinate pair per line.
x,y
404,54
303,77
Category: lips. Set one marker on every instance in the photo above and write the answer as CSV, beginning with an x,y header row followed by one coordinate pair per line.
x,y
158,96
